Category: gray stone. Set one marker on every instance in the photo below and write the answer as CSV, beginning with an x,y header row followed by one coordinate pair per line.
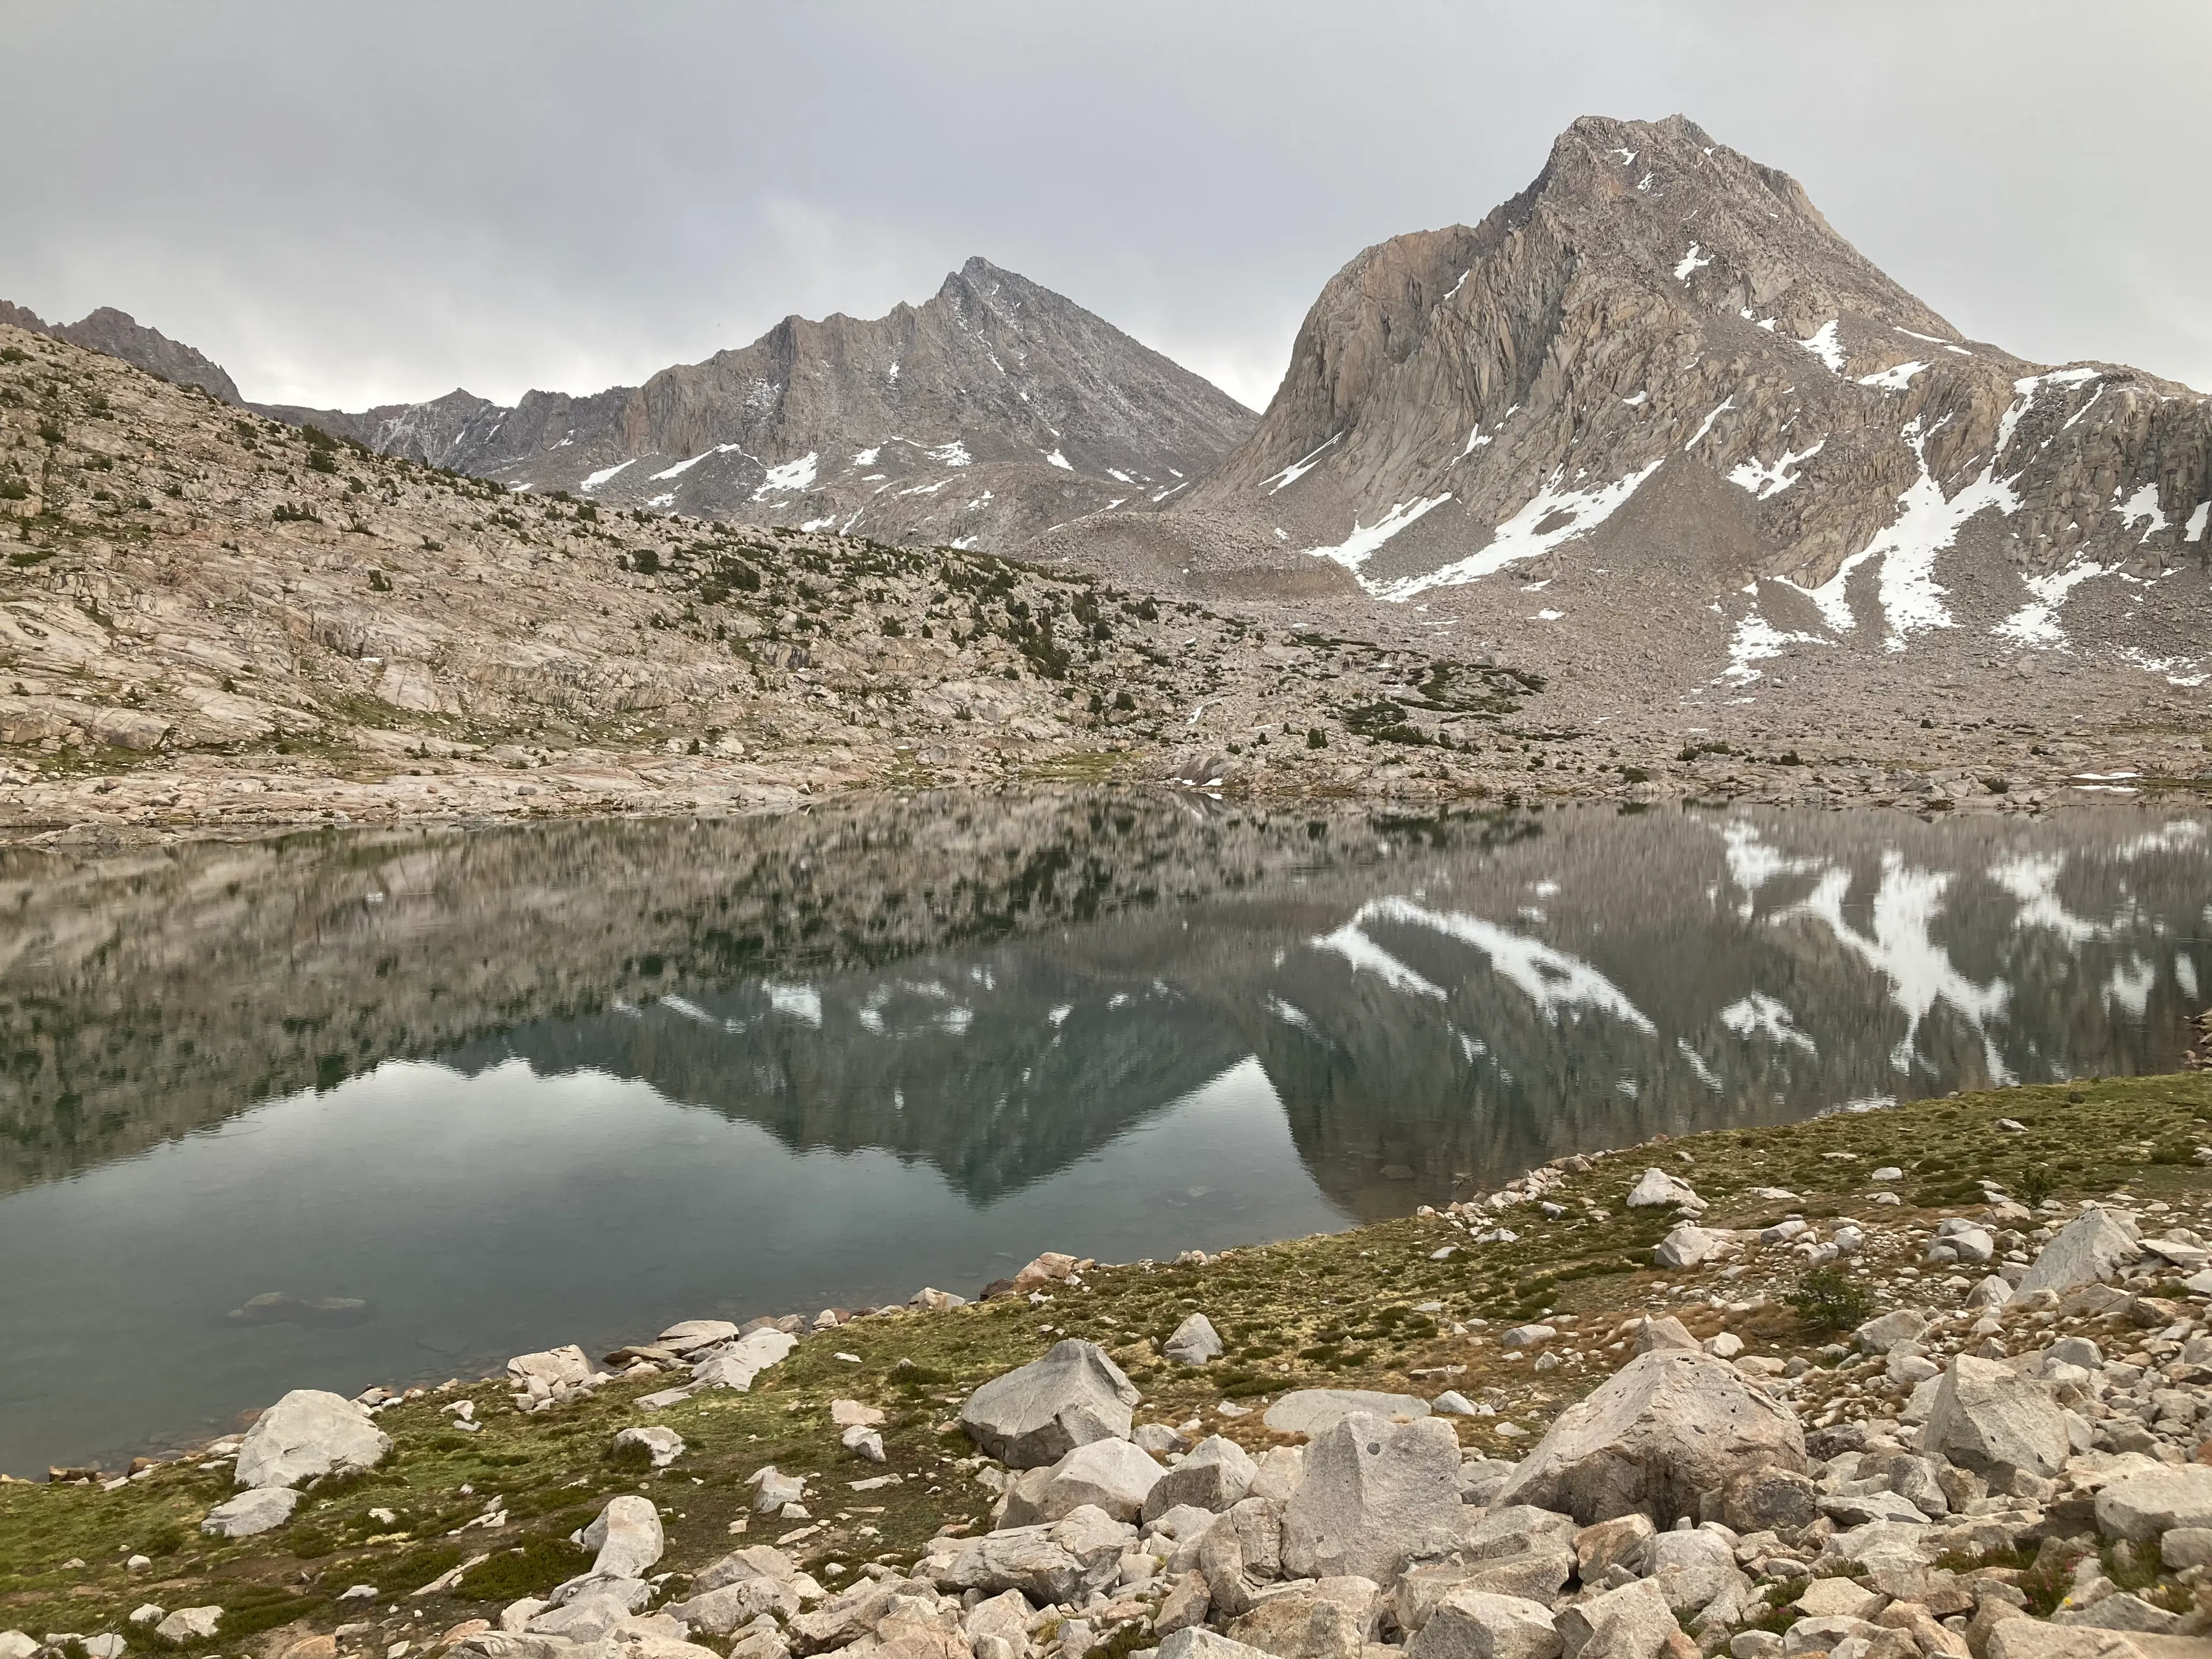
x,y
307,1433
627,1535
735,1365
1690,1246
1469,1624
1186,1604
1664,1332
1656,1189
1279,1470
1217,1474
1113,1475
259,1508
664,1445
1196,1641
1047,1563
1624,1542
1838,1598
690,1334
1037,1415
1310,1411
190,1624
2183,1547
1989,1418
1329,1619
1159,1439
2087,1251
569,1365
2030,1638
1898,1325
2122,1611
2074,1351
16,1644
1825,1635
1633,1622
772,1489
1195,1342
1992,1293
723,1610
1376,1494
2141,1507
1667,1427
1692,1568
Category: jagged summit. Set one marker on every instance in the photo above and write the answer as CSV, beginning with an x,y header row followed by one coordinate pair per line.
x,y
992,409
1661,352
120,334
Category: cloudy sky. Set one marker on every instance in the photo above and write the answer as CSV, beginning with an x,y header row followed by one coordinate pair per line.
x,y
349,205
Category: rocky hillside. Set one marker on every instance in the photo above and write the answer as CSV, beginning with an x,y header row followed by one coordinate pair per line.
x,y
1657,386
207,615
989,413
121,335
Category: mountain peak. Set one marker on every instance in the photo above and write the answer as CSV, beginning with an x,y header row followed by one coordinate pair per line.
x,y
1659,317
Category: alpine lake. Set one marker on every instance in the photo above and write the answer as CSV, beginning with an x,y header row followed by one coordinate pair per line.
x,y
348,1108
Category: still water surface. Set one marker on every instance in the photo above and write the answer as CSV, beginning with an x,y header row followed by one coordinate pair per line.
x,y
449,1095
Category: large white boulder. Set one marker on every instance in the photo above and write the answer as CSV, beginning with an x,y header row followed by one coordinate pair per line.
x,y
1112,1475
1215,1474
1309,1411
1375,1495
309,1432
1692,1246
1195,1342
1328,1619
1471,1624
1667,1426
568,1365
1062,1562
259,1508
627,1535
1633,1622
734,1364
2087,1251
1656,1189
2142,1507
1988,1417
1042,1411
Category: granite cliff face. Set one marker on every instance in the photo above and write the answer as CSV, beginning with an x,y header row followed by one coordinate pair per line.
x,y
1660,382
992,411
120,334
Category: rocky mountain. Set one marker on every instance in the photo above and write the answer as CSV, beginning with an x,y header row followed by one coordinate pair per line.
x,y
121,335
992,411
1658,385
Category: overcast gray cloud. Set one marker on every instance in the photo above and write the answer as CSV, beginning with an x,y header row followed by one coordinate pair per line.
x,y
350,205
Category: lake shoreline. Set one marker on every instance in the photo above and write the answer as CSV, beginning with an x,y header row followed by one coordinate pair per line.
x,y
1553,1245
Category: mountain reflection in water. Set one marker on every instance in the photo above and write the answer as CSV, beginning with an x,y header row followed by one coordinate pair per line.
x,y
393,1061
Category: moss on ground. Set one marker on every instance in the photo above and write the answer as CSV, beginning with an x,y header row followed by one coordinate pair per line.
x,y
1351,1309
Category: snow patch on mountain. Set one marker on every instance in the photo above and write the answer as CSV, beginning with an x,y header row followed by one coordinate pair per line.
x,y
1926,525
790,476
1554,515
1275,483
1827,347
1763,481
593,480
1360,546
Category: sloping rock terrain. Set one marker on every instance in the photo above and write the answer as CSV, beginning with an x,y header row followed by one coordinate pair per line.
x,y
183,581
1658,389
989,413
